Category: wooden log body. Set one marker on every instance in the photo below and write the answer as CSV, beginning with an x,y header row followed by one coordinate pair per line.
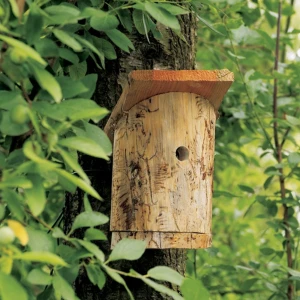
x,y
163,172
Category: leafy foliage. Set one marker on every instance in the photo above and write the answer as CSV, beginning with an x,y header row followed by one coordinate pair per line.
x,y
256,199
47,120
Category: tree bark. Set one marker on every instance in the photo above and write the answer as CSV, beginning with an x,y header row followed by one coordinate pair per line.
x,y
170,53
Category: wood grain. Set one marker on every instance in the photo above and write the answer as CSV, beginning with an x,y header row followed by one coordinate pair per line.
x,y
166,240
152,189
211,85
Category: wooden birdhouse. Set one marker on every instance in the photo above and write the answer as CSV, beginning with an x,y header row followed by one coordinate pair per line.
x,y
163,132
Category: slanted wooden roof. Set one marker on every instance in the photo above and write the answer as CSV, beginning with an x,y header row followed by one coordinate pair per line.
x,y
211,85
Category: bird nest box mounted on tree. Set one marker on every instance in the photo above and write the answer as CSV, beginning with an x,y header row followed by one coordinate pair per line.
x,y
163,131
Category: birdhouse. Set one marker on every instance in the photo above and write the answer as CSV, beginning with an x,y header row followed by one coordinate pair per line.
x,y
163,134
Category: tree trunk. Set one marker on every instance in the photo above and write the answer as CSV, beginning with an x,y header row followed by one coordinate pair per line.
x,y
170,53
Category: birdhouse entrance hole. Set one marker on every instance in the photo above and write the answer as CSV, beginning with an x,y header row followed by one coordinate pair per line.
x,y
182,153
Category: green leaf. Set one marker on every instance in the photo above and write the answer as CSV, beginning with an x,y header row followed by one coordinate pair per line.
x,y
292,120
125,18
2,160
47,82
93,234
284,101
266,251
193,289
91,47
10,288
90,81
78,71
210,26
91,110
106,47
294,272
89,219
35,196
78,182
224,194
161,288
95,274
140,21
15,8
116,277
8,127
246,189
92,272
271,287
93,249
162,16
71,88
84,145
30,148
67,39
14,203
166,274
58,233
2,213
71,109
15,159
47,48
294,158
87,204
268,182
65,9
246,286
104,21
73,164
35,122
9,99
173,9
34,25
68,55
120,39
40,240
128,249
96,134
41,257
25,49
21,182
63,288
37,276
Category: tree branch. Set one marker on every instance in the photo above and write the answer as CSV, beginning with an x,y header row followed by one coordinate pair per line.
x,y
285,135
287,26
278,152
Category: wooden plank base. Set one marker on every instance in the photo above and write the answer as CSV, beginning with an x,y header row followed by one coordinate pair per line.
x,y
166,240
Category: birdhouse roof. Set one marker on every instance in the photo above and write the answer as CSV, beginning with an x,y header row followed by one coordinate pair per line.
x,y
143,84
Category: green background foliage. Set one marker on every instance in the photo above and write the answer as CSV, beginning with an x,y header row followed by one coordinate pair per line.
x,y
48,118
248,259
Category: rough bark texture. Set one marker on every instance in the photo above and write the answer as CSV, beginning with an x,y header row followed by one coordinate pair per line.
x,y
171,53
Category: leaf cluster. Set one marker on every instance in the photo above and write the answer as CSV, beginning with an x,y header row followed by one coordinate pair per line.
x,y
47,120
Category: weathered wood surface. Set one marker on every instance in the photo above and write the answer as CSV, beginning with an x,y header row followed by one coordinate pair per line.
x,y
153,190
143,84
166,240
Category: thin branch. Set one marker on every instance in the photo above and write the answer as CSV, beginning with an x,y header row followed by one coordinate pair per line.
x,y
286,30
246,88
285,135
278,152
39,220
25,95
